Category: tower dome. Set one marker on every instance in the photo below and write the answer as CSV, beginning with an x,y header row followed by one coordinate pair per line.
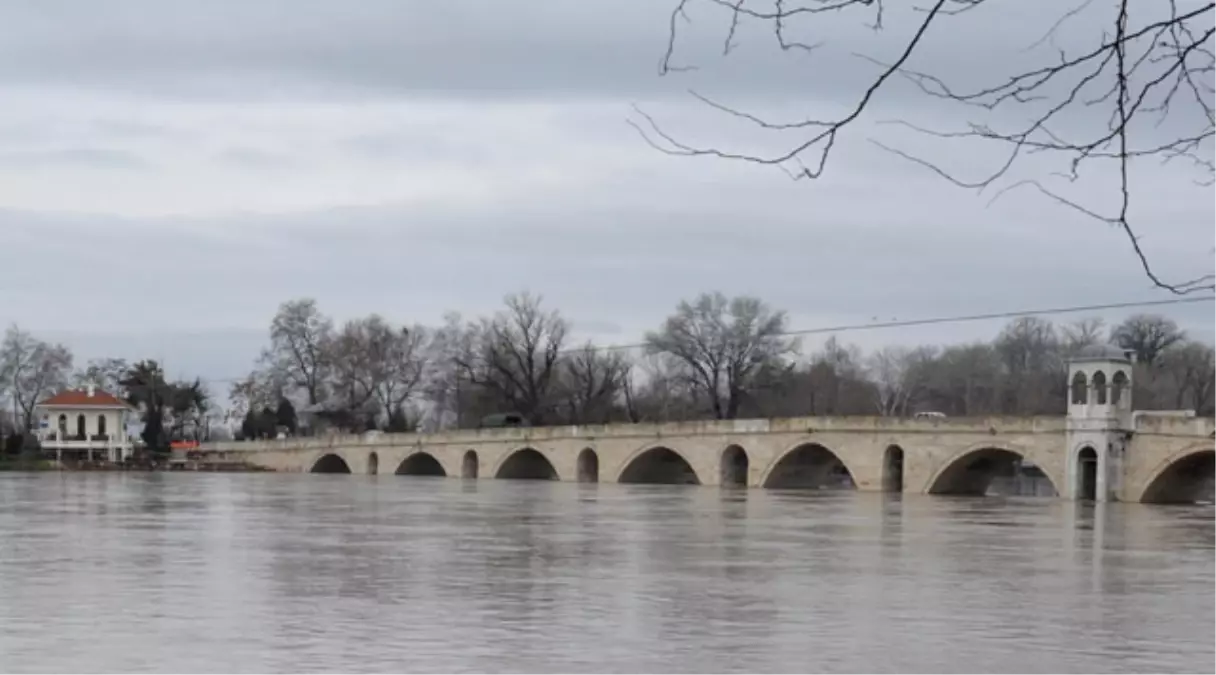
x,y
1106,352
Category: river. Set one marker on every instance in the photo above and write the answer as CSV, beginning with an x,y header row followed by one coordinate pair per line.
x,y
272,572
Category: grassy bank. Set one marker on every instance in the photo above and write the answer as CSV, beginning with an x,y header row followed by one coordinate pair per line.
x,y
26,464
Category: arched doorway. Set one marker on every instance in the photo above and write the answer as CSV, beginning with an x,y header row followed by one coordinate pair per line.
x,y
893,469
469,465
527,464
373,463
732,468
809,466
1187,480
989,471
659,465
101,425
1087,474
331,464
80,427
420,464
588,466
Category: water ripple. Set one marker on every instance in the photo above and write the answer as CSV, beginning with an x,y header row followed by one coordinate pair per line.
x,y
255,573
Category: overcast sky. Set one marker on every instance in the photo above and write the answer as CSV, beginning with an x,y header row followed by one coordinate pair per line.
x,y
171,171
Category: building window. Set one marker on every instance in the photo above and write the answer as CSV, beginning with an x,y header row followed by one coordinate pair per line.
x,y
1118,384
101,424
80,427
1100,387
1080,395
63,425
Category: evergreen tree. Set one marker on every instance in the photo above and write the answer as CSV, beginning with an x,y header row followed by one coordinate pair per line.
x,y
398,423
268,423
285,416
249,425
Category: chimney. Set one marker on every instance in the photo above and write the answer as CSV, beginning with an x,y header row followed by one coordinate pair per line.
x,y
91,389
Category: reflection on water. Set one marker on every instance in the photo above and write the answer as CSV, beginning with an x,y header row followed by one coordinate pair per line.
x,y
265,572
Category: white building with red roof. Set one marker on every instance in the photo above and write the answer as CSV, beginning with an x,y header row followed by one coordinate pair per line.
x,y
85,424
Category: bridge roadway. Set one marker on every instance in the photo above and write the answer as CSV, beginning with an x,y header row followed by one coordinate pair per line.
x,y
1163,459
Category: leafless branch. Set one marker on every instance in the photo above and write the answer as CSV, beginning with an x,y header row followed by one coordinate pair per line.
x,y
1136,77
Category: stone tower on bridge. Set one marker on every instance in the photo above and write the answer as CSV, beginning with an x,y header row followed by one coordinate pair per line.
x,y
1099,423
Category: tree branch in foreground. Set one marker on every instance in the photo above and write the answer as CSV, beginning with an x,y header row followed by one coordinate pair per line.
x,y
1136,77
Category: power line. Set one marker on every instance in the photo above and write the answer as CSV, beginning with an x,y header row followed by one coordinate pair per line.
x,y
847,328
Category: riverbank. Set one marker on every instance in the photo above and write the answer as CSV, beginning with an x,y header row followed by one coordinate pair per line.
x,y
52,465
24,464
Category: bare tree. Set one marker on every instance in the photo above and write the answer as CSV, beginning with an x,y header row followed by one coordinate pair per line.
x,y
723,343
895,376
32,369
298,337
106,373
593,380
1108,87
1148,335
1028,348
515,356
1078,335
262,388
441,384
354,361
396,360
836,380
964,380
1186,376
657,389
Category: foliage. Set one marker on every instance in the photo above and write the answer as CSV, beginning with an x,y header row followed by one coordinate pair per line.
x,y
170,410
285,416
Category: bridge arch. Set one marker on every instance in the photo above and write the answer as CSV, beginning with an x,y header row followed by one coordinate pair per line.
x,y
1085,464
526,464
971,471
658,464
733,467
1184,477
588,466
420,464
893,469
330,463
808,465
469,464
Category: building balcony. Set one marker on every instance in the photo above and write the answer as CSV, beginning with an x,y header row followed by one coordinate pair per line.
x,y
54,440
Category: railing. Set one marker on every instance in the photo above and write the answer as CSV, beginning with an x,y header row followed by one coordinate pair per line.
x,y
53,440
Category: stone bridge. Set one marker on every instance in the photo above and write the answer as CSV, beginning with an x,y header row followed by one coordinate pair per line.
x,y
1159,459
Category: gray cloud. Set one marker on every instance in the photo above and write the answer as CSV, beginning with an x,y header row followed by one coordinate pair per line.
x,y
416,158
252,158
466,48
613,272
89,158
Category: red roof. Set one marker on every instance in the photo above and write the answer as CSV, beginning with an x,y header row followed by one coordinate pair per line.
x,y
78,398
